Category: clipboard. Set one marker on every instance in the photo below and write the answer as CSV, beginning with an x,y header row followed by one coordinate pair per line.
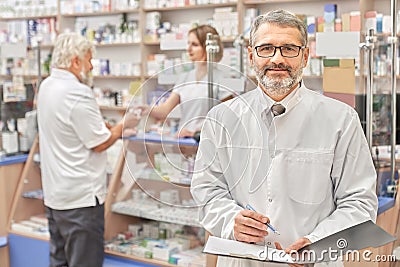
x,y
357,237
360,236
236,249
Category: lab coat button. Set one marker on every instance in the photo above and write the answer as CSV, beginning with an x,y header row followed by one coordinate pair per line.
x,y
270,199
269,243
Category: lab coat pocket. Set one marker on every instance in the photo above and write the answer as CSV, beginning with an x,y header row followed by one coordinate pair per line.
x,y
308,175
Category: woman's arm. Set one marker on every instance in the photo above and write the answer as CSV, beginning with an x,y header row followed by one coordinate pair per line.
x,y
161,111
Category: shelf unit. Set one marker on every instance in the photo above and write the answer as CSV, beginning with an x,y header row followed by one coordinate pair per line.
x,y
119,208
23,208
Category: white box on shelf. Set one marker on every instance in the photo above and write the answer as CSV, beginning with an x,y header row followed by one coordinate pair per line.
x,y
169,41
327,44
17,50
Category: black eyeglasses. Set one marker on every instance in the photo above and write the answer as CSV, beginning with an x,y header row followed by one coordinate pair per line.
x,y
286,50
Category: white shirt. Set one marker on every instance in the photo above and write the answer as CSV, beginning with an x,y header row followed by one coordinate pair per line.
x,y
193,94
310,172
70,125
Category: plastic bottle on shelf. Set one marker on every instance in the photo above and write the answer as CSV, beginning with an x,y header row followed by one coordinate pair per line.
x,y
9,137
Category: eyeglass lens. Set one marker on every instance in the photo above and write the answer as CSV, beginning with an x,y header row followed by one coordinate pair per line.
x,y
270,50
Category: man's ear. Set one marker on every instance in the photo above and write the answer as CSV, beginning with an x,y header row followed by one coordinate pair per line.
x,y
75,62
306,56
250,52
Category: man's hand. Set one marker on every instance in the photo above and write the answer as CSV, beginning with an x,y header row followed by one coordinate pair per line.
x,y
298,244
144,109
131,120
108,125
184,133
250,226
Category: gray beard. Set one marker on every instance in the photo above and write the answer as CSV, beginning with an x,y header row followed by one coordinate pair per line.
x,y
86,79
278,87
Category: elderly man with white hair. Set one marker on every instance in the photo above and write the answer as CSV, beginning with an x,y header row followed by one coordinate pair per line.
x,y
73,138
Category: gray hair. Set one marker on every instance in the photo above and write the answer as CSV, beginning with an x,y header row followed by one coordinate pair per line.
x,y
69,45
280,18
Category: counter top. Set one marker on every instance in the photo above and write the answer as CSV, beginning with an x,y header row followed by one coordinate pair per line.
x,y
13,159
3,241
385,203
156,138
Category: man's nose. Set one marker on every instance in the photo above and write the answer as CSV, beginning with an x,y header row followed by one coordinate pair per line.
x,y
277,57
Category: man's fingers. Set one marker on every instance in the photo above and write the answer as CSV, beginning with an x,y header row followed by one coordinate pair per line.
x,y
247,228
278,246
298,244
254,219
245,237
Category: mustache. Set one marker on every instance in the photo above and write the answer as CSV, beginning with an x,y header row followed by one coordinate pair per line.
x,y
276,66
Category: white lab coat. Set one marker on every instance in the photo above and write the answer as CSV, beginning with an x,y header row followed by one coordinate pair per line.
x,y
193,97
309,170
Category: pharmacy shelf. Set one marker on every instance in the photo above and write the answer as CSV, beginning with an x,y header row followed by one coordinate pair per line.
x,y
42,46
165,213
25,76
113,108
95,14
165,179
156,42
117,77
227,39
27,17
139,259
118,44
257,2
190,7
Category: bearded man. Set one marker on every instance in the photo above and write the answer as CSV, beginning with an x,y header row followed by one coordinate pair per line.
x,y
300,159
73,138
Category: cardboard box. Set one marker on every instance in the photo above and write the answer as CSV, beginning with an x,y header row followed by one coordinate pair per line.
x,y
339,76
349,99
320,24
355,21
346,22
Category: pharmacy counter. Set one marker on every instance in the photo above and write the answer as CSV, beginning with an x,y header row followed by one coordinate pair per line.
x,y
10,173
33,252
385,203
13,159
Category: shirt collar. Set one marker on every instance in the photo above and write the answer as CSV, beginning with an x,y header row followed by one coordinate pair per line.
x,y
63,74
288,102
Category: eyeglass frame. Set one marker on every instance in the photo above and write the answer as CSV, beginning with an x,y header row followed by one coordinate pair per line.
x,y
300,47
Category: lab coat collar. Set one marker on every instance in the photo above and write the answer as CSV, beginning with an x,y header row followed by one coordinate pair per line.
x,y
63,74
288,102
